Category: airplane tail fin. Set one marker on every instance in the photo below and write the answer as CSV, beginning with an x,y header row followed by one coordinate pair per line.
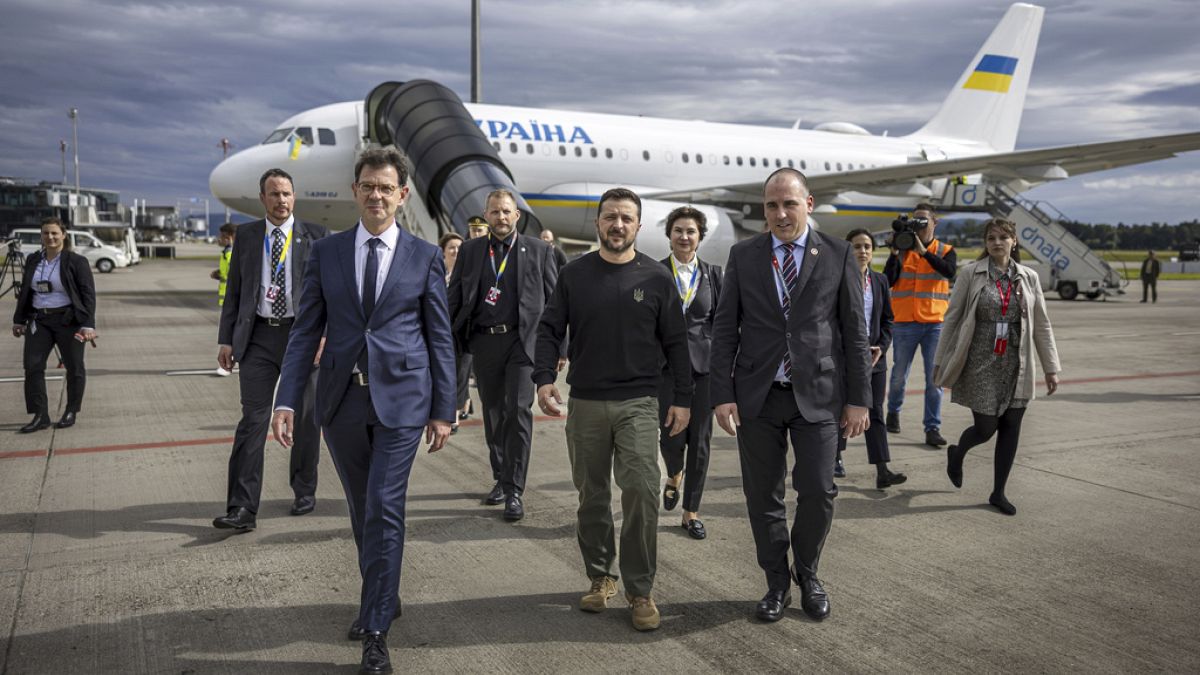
x,y
986,103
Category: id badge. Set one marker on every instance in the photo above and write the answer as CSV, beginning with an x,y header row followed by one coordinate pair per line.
x,y
272,292
493,295
43,287
1001,339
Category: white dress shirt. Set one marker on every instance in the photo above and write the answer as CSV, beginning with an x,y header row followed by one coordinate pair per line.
x,y
683,277
51,271
384,252
264,303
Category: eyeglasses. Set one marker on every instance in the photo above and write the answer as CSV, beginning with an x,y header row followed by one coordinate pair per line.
x,y
384,189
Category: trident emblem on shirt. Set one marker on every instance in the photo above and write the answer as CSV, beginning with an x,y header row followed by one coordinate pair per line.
x,y
638,295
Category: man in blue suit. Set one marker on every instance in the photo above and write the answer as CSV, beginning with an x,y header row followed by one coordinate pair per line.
x,y
387,373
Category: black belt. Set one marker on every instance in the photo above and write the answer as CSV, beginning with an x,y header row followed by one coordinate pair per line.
x,y
782,386
360,379
272,321
498,329
52,310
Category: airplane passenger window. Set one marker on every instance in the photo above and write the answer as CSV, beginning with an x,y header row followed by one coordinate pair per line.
x,y
699,158
826,166
278,135
562,150
305,134
512,147
803,165
646,155
790,165
685,158
839,166
765,162
778,163
608,153
326,136
726,160
578,151
595,152
752,161
529,148
496,145
739,160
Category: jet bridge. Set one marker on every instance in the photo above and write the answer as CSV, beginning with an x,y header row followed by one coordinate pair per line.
x,y
453,165
1074,267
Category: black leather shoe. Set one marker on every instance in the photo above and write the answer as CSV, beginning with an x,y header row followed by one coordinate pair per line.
x,y
839,469
770,608
239,518
68,420
375,658
670,496
1002,504
496,496
303,505
357,633
893,423
514,510
37,424
889,479
695,528
954,460
933,437
814,600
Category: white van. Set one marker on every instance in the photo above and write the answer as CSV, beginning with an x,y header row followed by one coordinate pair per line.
x,y
103,257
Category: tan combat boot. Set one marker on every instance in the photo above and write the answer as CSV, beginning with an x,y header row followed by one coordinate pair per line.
x,y
596,599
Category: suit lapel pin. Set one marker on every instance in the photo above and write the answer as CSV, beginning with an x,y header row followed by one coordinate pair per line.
x,y
813,250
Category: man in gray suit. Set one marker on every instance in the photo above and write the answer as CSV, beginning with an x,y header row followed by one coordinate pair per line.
x,y
790,359
261,297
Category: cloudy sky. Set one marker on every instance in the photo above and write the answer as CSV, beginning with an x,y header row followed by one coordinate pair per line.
x,y
158,84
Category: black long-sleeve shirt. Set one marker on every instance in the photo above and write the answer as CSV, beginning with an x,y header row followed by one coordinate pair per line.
x,y
946,265
622,320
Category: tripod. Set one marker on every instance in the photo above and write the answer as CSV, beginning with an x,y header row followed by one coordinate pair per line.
x,y
14,267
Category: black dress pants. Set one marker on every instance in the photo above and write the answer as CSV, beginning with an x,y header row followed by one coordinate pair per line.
x,y
763,449
503,373
688,450
46,331
876,436
258,375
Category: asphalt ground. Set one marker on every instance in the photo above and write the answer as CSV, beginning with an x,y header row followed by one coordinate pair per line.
x,y
109,563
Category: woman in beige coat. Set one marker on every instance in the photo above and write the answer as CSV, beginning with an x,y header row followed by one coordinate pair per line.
x,y
995,322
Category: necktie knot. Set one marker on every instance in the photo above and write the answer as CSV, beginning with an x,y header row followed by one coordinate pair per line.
x,y
373,242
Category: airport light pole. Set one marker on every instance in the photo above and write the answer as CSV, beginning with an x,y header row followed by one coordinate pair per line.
x,y
62,149
73,113
476,56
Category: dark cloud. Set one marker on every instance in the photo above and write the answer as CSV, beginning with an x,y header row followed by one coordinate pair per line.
x,y
158,85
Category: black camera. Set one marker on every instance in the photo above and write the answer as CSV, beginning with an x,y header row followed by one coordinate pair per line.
x,y
906,230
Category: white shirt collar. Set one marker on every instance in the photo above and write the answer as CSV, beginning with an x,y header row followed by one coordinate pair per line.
x,y
389,237
802,241
685,266
286,226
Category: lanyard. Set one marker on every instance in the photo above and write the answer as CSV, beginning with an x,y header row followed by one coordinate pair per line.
x,y
1004,296
783,299
287,244
503,262
686,294
47,268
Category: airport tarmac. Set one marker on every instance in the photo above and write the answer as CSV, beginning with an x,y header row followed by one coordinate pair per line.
x,y
109,563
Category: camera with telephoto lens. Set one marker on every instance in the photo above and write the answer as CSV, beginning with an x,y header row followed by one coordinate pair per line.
x,y
906,230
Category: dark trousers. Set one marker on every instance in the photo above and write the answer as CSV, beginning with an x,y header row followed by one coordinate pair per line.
x,y
504,373
688,450
1150,284
877,443
258,375
463,383
763,448
46,331
373,461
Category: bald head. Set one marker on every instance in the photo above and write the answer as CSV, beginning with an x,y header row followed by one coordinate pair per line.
x,y
789,175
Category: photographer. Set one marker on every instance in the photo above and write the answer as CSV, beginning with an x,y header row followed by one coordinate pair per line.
x,y
919,269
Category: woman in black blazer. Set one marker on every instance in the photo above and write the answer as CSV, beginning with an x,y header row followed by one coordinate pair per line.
x,y
699,285
877,302
56,307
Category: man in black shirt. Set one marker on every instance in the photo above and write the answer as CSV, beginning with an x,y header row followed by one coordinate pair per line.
x,y
623,314
498,289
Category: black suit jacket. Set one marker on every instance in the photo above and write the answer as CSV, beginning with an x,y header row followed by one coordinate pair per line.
x,y
700,314
825,331
880,322
77,280
244,286
538,270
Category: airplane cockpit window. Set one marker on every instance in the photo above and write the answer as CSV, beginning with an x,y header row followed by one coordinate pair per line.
x,y
305,134
278,135
326,137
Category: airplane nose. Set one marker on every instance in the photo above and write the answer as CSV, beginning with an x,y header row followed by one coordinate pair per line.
x,y
234,182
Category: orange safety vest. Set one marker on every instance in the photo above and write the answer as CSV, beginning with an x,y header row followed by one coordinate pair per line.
x,y
921,294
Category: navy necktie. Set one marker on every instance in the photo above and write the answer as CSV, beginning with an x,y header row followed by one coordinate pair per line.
x,y
370,273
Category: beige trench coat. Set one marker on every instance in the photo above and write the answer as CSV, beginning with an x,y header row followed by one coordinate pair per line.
x,y
959,326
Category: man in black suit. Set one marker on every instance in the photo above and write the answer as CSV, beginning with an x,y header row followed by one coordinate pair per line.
x,y
498,289
261,297
789,359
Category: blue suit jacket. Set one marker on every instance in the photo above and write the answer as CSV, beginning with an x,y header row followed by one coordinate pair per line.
x,y
408,340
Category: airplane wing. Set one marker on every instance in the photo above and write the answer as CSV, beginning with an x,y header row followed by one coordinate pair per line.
x,y
1032,166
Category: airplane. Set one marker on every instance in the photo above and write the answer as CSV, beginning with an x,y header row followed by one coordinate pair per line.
x,y
562,161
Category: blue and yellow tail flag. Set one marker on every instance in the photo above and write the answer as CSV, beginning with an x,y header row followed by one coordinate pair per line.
x,y
294,152
994,73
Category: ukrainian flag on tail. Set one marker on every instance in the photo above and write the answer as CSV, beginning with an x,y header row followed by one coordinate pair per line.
x,y
294,150
994,73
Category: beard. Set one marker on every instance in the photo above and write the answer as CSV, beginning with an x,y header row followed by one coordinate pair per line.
x,y
612,248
